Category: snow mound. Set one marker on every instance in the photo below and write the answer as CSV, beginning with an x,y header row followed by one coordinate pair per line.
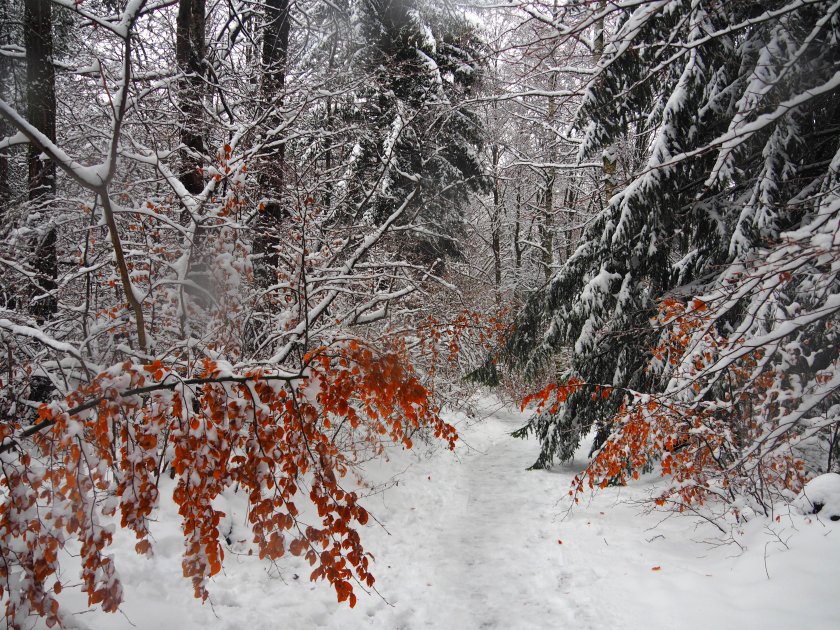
x,y
822,496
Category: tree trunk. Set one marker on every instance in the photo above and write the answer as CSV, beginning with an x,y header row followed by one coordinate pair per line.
x,y
496,223
550,175
189,55
517,245
609,157
546,225
517,229
569,201
6,82
40,100
274,54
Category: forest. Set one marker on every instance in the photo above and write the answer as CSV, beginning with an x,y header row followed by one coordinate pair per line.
x,y
248,248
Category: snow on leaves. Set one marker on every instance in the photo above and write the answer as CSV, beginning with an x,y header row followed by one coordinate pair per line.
x,y
280,439
741,408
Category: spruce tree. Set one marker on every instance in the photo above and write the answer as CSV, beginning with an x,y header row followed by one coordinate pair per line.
x,y
738,106
417,136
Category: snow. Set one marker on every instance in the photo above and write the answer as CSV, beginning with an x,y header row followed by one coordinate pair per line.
x,y
40,336
821,496
474,540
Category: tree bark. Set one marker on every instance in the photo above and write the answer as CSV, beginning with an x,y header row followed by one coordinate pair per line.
x,y
41,109
6,79
517,228
546,228
609,157
190,57
496,222
274,54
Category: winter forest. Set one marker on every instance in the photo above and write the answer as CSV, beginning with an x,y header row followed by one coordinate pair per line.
x,y
419,313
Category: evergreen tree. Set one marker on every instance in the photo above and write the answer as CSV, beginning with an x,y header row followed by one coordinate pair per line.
x,y
416,133
738,106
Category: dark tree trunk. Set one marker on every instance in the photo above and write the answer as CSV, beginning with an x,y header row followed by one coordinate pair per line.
x,y
569,201
190,58
6,79
496,222
518,291
40,92
609,159
546,227
275,47
5,184
40,100
189,55
274,54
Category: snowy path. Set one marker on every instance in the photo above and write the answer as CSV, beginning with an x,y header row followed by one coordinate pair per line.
x,y
473,540
490,556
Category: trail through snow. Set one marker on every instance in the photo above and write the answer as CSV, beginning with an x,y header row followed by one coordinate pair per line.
x,y
473,540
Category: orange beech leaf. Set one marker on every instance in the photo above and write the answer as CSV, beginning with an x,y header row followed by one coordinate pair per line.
x,y
252,435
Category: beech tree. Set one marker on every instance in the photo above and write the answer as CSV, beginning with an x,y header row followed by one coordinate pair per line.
x,y
276,381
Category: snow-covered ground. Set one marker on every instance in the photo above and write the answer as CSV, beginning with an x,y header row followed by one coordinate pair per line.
x,y
473,540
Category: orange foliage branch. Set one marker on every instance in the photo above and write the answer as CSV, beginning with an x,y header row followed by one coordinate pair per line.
x,y
270,435
707,446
